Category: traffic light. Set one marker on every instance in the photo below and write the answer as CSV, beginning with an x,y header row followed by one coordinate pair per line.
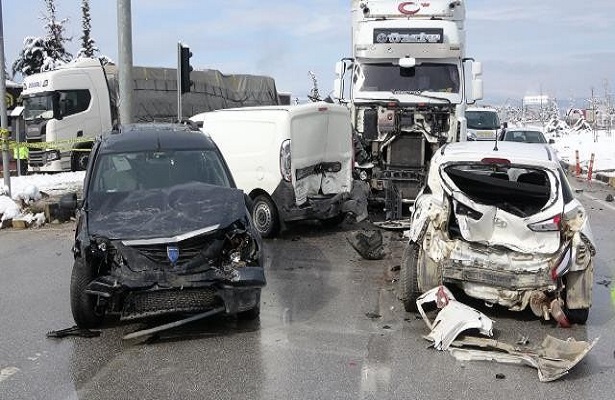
x,y
184,68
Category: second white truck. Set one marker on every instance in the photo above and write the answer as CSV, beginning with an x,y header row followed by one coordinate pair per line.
x,y
406,86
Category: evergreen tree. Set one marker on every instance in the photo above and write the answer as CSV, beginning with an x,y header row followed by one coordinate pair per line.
x,y
44,54
56,53
88,47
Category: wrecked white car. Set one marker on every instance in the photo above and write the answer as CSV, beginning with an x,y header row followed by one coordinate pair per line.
x,y
499,221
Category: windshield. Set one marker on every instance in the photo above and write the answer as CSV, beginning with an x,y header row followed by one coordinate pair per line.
x,y
37,107
525,136
423,77
121,172
482,119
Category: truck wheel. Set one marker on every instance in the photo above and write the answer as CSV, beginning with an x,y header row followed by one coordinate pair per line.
x,y
79,160
408,288
265,216
83,305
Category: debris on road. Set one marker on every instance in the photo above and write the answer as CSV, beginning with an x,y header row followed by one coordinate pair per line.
x,y
553,359
609,198
368,244
452,319
73,331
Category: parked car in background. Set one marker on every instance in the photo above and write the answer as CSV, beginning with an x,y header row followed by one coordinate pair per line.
x,y
162,230
502,224
523,135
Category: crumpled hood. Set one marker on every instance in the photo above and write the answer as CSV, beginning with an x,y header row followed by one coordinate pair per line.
x,y
156,213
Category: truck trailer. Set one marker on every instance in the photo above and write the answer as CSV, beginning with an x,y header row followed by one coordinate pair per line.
x,y
405,86
67,108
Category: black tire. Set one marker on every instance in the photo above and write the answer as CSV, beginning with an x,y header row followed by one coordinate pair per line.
x,y
577,316
83,305
79,160
253,313
408,288
265,216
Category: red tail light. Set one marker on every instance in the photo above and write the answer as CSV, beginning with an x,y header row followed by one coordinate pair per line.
x,y
552,224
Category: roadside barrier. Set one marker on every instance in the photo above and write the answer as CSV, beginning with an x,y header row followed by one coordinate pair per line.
x,y
591,169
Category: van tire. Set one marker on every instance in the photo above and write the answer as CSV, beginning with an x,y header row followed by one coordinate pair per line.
x,y
408,288
265,216
79,160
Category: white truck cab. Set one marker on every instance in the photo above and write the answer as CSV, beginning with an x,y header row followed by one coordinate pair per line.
x,y
295,162
64,110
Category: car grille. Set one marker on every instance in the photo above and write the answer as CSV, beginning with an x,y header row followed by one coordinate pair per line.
x,y
147,304
188,249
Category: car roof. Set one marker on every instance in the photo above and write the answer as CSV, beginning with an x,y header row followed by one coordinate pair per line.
x,y
151,137
538,154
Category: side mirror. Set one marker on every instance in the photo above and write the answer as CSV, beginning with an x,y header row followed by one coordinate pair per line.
x,y
477,69
337,89
339,69
477,89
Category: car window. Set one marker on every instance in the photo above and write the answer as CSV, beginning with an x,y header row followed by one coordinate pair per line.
x,y
122,172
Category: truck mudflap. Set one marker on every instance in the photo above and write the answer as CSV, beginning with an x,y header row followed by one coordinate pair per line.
x,y
321,206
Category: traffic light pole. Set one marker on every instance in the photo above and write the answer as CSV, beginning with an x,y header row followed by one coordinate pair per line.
x,y
179,85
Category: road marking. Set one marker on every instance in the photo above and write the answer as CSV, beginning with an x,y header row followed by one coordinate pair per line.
x,y
6,373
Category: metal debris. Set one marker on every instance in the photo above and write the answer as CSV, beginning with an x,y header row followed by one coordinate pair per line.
x,y
367,244
73,331
553,359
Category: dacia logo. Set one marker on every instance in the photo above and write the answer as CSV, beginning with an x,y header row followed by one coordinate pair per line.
x,y
173,254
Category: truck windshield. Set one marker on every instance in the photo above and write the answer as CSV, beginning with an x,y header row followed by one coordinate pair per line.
x,y
482,119
38,107
425,77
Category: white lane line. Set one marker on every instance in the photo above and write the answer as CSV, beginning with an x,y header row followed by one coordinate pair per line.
x,y
6,373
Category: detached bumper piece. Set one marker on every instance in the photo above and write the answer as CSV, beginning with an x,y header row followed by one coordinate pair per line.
x,y
553,358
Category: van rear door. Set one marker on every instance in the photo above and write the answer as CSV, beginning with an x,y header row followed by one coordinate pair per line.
x,y
321,151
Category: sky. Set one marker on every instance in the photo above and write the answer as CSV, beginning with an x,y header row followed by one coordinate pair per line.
x,y
561,48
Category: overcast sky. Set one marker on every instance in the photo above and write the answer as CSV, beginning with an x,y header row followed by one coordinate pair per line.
x,y
562,48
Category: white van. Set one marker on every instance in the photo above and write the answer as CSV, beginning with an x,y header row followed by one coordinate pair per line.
x,y
295,162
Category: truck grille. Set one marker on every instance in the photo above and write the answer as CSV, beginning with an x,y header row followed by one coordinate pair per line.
x,y
159,302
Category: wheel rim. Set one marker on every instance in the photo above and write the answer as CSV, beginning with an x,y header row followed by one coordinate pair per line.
x,y
262,217
82,162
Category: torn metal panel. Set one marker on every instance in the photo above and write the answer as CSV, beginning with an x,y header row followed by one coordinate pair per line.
x,y
453,318
553,359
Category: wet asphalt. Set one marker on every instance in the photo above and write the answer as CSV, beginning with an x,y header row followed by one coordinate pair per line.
x,y
330,328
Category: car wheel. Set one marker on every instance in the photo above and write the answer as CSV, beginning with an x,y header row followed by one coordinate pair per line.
x,y
83,305
253,313
408,288
265,216
79,160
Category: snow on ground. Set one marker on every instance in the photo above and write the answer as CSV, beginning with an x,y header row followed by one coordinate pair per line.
x,y
603,149
29,187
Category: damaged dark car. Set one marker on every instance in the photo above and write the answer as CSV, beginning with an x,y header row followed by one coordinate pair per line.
x,y
162,230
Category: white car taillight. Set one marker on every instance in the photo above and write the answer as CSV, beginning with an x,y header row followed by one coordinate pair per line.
x,y
285,168
548,225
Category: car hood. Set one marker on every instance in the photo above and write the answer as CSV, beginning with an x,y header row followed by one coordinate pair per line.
x,y
156,213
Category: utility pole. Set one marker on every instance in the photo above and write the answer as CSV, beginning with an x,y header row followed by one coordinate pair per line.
x,y
4,122
124,34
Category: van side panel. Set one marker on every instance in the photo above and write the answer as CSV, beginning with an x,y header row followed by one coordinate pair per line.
x,y
251,150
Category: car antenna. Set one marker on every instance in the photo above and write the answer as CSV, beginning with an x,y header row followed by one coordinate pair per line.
x,y
495,148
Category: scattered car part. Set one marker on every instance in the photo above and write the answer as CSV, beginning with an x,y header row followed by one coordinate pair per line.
x,y
171,325
453,319
553,359
367,244
73,331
